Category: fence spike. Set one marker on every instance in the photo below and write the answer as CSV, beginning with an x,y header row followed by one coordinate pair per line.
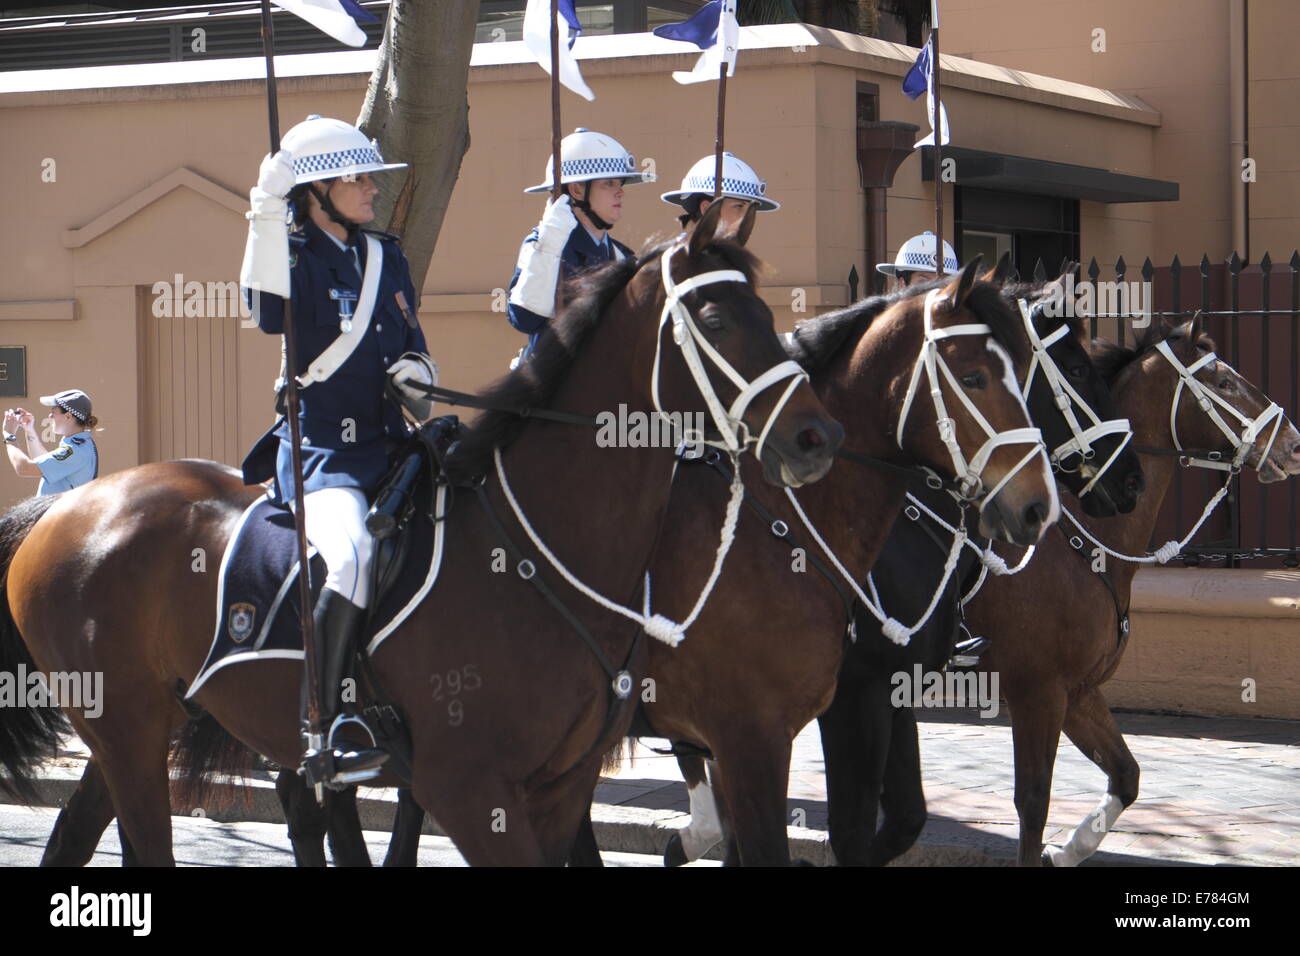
x,y
1176,266
1148,270
1120,268
1234,263
1295,261
853,283
1266,264
1040,271
1205,265
1094,270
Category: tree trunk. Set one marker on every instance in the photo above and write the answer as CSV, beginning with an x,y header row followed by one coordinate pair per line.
x,y
417,107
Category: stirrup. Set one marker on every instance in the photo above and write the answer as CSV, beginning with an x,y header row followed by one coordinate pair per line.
x,y
335,767
967,653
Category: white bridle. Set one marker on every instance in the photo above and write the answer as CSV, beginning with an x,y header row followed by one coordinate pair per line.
x,y
1206,399
1067,399
1243,443
970,482
691,342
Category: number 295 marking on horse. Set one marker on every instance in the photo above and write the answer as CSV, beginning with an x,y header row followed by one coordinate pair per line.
x,y
456,681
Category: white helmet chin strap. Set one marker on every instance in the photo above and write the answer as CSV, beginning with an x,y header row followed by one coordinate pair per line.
x,y
1251,427
969,474
691,341
1067,399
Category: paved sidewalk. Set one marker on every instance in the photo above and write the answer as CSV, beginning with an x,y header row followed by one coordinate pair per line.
x,y
1214,791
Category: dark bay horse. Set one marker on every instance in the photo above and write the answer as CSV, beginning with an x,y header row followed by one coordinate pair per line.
x,y
510,780
1053,655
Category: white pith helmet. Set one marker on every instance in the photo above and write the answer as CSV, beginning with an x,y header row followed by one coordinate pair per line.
x,y
586,155
917,255
324,148
739,181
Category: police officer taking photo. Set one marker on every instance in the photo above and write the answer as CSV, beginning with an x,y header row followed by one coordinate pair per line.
x,y
76,459
356,336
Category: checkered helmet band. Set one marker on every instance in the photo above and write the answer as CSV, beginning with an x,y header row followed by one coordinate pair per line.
x,y
925,262
744,187
342,159
597,167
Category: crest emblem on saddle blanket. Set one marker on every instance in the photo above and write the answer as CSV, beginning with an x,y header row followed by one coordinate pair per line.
x,y
240,623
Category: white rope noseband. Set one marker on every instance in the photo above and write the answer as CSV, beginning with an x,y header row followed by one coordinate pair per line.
x,y
969,474
1067,399
1242,443
691,341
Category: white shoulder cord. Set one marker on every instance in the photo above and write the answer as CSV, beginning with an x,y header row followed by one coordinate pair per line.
x,y
890,627
656,625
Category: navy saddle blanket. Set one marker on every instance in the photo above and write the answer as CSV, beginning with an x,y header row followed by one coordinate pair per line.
x,y
257,588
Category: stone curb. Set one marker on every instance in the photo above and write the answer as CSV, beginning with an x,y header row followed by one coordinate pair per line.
x,y
624,829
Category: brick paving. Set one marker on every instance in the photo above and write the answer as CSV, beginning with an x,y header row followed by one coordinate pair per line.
x,y
1213,790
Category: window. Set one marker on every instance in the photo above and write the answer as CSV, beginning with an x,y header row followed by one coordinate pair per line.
x,y
1030,227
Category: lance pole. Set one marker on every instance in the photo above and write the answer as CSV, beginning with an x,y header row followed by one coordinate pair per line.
x,y
315,731
935,124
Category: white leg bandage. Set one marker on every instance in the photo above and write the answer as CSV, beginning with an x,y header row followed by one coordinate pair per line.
x,y
1088,835
336,527
705,829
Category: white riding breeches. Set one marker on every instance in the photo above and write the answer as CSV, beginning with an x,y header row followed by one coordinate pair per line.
x,y
336,527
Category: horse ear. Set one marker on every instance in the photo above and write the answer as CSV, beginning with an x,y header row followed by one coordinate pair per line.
x,y
746,225
960,287
1196,328
999,274
703,232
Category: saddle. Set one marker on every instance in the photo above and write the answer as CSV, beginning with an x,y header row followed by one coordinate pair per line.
x,y
258,603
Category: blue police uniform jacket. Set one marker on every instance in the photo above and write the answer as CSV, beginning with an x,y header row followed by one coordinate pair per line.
x,y
349,426
72,464
581,253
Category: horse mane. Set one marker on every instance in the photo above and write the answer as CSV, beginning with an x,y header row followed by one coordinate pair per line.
x,y
1033,294
534,383
1110,359
816,341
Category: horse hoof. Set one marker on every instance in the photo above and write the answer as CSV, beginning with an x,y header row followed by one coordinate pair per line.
x,y
674,854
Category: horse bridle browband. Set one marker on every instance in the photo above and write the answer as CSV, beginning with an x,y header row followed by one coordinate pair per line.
x,y
970,482
691,342
1066,399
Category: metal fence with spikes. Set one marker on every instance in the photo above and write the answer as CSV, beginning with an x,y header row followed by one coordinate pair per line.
x,y
1253,314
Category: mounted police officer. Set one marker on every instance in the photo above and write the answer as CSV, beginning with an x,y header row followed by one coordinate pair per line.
x,y
915,261
741,188
573,235
356,334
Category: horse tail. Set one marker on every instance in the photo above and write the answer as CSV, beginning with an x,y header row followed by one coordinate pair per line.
x,y
28,735
201,751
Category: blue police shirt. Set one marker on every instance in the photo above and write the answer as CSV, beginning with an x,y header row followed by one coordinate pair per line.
x,y
73,463
348,424
581,253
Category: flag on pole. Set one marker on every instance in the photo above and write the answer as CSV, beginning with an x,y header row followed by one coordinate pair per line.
x,y
338,18
919,79
537,37
715,31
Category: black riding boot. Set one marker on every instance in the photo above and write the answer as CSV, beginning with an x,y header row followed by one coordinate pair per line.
x,y
337,621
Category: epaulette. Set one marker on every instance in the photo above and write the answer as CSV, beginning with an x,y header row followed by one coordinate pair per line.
x,y
383,235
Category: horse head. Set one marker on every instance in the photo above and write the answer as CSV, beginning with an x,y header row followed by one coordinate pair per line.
x,y
715,344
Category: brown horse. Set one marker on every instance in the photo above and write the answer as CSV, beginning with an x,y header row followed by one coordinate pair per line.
x,y
1052,656
509,779
761,660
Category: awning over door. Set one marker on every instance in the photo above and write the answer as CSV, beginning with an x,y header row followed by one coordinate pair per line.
x,y
976,167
